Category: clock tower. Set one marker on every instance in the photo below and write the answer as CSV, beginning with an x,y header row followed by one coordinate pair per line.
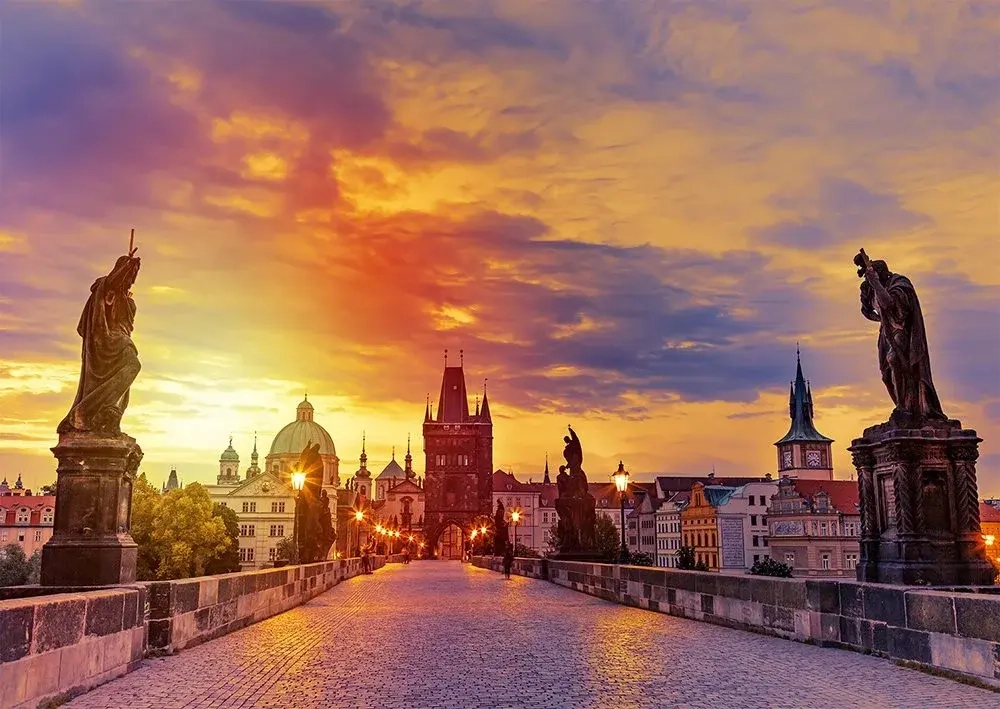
x,y
804,452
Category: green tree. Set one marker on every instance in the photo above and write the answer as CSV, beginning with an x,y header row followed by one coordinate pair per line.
x,y
641,558
146,501
525,551
286,550
35,567
229,560
15,569
771,567
49,489
685,558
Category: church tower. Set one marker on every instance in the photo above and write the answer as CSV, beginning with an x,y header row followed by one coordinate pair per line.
x,y
458,477
804,452
229,466
254,469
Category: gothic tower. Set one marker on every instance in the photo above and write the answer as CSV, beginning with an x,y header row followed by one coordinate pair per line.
x,y
804,452
458,478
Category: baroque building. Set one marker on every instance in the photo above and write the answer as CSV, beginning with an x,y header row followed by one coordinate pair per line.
x,y
803,452
815,527
458,470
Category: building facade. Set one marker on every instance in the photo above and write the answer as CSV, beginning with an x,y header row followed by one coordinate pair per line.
x,y
458,470
699,523
815,527
668,529
989,521
25,519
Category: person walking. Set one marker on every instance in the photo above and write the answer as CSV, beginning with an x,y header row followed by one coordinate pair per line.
x,y
508,560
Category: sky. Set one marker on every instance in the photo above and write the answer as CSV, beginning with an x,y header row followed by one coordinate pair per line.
x,y
625,214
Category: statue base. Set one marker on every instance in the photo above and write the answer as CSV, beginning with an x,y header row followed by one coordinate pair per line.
x,y
920,504
91,544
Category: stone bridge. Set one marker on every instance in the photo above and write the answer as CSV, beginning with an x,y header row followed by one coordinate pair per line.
x,y
445,634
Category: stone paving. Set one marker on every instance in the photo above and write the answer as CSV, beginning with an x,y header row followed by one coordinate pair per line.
x,y
439,634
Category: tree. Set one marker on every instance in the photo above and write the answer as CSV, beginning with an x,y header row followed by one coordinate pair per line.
x,y
15,569
525,551
641,558
49,489
685,558
771,567
286,550
35,567
229,560
177,534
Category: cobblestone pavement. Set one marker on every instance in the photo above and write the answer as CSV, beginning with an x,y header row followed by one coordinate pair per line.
x,y
438,634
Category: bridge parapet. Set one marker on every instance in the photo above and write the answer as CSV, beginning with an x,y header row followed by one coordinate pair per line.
x,y
59,642
953,629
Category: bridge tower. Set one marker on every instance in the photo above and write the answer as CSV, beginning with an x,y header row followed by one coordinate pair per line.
x,y
458,445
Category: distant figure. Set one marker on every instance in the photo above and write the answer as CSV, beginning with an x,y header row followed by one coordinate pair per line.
x,y
406,555
366,562
508,560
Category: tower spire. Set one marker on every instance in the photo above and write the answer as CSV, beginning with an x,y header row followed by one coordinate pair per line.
x,y
484,412
461,358
409,459
427,408
546,479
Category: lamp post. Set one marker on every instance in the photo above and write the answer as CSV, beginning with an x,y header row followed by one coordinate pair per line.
x,y
515,517
621,483
359,517
298,482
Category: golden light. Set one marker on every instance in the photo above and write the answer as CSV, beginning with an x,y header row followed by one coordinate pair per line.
x,y
359,516
989,539
621,477
473,535
422,545
482,530
515,516
298,480
379,528
411,537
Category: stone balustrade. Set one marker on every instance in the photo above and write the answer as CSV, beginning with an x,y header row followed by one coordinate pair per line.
x,y
957,630
57,642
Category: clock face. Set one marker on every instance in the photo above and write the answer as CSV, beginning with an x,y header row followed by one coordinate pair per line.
x,y
786,459
812,459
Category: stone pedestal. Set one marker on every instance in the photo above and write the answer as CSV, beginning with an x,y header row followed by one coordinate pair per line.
x,y
920,505
91,544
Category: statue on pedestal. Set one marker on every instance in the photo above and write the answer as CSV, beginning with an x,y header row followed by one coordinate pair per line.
x,y
916,472
501,534
574,505
90,543
315,528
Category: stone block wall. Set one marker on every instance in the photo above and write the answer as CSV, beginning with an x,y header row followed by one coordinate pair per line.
x,y
67,643
956,630
188,612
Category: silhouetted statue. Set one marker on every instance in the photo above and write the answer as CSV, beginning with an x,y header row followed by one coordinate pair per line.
x,y
328,533
903,356
312,537
575,505
500,534
110,361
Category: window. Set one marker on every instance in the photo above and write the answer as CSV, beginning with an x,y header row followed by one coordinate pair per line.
x,y
850,529
23,516
20,536
753,520
822,528
825,561
246,554
851,561
790,559
3,535
715,560
277,530
47,515
756,540
756,558
38,535
763,541
278,507
247,530
271,553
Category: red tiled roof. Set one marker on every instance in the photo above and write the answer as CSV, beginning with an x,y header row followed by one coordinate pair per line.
x,y
843,493
10,504
506,482
989,513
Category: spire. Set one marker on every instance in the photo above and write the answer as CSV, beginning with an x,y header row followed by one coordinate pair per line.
x,y
409,459
477,405
800,408
546,480
394,452
364,454
453,404
484,414
427,408
461,358
253,454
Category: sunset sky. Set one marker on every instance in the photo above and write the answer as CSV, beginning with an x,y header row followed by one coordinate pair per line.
x,y
625,213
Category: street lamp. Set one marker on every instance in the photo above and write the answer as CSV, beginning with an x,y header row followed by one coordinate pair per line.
x,y
359,517
515,517
621,483
298,482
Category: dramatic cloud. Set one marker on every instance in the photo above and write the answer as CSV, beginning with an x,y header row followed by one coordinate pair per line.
x,y
626,215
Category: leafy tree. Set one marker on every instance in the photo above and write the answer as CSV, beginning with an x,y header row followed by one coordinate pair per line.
x,y
525,551
49,489
177,534
286,550
35,567
685,558
15,569
641,558
771,567
229,560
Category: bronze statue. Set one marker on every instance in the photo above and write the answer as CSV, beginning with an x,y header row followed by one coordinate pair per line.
x,y
903,356
312,536
575,505
110,361
500,533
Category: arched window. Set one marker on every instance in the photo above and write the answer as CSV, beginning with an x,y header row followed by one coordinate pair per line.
x,y
699,539
364,489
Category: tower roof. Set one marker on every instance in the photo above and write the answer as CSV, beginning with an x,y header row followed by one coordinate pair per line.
x,y
484,412
800,410
230,453
453,404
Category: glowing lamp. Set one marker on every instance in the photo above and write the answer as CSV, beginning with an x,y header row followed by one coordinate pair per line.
x,y
298,480
473,535
359,516
411,537
515,516
621,477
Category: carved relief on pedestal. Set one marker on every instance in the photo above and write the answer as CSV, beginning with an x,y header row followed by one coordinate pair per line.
x,y
864,463
963,458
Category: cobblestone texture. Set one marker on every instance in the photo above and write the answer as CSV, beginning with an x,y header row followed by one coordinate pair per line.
x,y
438,634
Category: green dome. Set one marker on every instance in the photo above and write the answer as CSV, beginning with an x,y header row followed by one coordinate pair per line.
x,y
293,438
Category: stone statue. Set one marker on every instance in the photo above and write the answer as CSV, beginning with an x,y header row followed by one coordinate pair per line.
x,y
500,533
903,357
329,534
311,535
110,359
575,505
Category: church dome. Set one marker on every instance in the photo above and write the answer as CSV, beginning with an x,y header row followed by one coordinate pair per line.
x,y
230,453
293,438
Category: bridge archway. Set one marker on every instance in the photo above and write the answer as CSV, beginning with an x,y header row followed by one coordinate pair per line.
x,y
450,542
